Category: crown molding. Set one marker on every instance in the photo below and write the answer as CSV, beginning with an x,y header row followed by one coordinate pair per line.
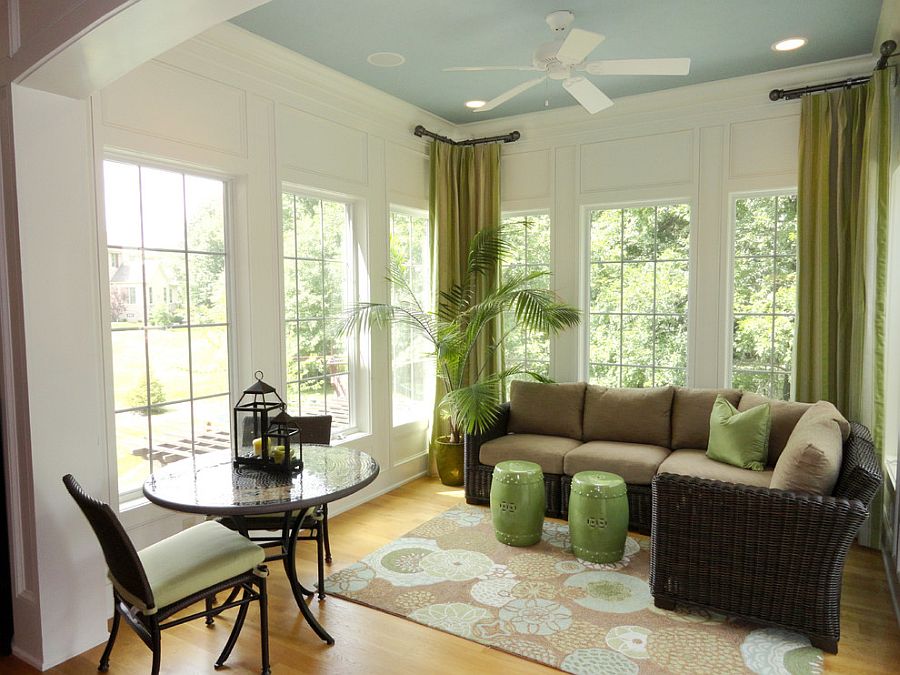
x,y
746,95
257,59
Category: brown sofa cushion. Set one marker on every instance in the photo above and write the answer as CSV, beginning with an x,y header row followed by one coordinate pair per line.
x,y
785,415
811,460
634,462
628,415
694,462
548,451
690,415
548,409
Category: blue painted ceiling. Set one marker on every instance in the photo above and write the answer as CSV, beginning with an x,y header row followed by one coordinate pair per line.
x,y
723,38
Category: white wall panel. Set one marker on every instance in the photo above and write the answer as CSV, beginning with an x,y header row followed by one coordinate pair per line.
x,y
172,104
641,161
309,143
407,173
764,147
526,175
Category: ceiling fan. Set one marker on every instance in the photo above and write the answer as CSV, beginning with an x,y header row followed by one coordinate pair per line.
x,y
564,57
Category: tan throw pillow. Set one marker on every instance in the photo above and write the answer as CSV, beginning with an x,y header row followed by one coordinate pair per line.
x,y
629,415
811,460
691,409
549,409
785,415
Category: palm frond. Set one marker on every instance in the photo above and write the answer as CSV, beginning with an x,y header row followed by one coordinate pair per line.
x,y
488,249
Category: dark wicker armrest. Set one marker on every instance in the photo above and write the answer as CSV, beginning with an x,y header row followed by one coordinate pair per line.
x,y
472,442
767,555
861,475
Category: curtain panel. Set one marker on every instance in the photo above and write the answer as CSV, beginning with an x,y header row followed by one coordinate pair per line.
x,y
464,198
842,229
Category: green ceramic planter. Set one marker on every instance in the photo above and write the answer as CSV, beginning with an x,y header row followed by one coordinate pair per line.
x,y
518,502
449,460
598,516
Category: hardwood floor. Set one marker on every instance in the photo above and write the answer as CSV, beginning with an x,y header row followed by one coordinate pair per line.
x,y
372,642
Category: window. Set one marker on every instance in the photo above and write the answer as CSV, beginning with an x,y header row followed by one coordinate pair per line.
x,y
764,304
170,359
529,236
639,269
411,362
317,285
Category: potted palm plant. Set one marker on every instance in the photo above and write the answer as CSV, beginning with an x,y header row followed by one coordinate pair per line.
x,y
467,322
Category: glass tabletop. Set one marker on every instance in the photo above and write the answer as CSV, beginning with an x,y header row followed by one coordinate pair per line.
x,y
211,484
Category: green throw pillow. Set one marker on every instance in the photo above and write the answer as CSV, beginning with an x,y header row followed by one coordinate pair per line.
x,y
739,438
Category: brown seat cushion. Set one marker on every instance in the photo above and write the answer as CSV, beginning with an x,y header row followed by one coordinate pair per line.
x,y
548,409
785,415
694,462
628,415
811,460
548,451
690,415
634,462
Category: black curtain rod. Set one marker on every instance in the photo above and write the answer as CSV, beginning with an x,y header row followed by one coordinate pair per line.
x,y
887,51
511,137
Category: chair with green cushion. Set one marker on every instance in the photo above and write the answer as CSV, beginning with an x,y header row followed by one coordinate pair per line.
x,y
313,429
152,585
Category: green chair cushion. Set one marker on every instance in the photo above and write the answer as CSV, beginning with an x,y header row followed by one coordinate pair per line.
x,y
739,438
195,559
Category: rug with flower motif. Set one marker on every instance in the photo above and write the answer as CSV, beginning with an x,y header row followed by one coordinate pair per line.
x,y
544,604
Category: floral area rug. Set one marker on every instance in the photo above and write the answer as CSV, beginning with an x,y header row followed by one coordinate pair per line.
x,y
544,604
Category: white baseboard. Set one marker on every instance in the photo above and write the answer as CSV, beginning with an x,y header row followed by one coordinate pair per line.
x,y
27,657
893,583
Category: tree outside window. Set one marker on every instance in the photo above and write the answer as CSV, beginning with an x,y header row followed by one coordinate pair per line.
x,y
317,278
165,233
764,298
639,273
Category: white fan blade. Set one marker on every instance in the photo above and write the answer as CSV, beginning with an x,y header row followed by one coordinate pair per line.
x,y
592,99
577,45
639,67
506,95
480,68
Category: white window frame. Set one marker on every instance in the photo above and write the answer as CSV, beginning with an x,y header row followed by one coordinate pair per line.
x,y
132,499
357,380
528,213
729,259
584,357
394,207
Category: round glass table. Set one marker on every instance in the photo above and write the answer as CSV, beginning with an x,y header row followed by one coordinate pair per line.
x,y
210,484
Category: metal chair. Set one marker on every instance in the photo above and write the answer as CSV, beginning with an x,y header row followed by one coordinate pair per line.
x,y
313,429
192,566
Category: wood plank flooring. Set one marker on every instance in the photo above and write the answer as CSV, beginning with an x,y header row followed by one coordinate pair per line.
x,y
372,642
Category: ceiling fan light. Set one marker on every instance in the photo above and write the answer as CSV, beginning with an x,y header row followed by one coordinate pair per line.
x,y
789,44
475,104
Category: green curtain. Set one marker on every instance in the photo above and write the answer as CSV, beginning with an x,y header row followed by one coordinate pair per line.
x,y
464,198
842,229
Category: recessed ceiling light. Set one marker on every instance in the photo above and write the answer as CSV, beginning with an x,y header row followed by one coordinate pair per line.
x,y
386,59
474,104
789,44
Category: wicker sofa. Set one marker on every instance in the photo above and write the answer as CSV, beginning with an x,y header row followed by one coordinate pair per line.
x,y
722,538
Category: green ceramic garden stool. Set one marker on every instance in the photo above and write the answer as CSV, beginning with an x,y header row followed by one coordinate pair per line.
x,y
518,502
598,516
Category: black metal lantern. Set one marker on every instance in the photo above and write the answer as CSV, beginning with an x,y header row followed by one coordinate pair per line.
x,y
285,449
251,423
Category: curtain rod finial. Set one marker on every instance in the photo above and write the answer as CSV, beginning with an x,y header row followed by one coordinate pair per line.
x,y
419,130
776,94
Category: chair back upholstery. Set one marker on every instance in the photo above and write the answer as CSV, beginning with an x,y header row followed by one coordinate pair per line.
x,y
121,557
314,428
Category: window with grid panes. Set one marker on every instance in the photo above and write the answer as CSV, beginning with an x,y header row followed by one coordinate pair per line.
x,y
165,236
317,278
638,294
764,304
529,237
412,366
